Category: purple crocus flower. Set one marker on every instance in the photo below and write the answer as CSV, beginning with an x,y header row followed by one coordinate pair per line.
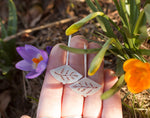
x,y
34,60
48,49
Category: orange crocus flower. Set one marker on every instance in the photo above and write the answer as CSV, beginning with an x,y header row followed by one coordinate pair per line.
x,y
137,75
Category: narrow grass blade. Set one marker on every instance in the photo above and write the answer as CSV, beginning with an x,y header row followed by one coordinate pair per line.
x,y
105,25
3,30
144,52
121,10
12,21
141,37
10,46
116,87
133,13
134,9
98,5
140,21
119,67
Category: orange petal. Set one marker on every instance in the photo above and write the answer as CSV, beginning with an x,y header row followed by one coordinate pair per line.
x,y
130,64
145,81
131,79
140,87
134,90
137,80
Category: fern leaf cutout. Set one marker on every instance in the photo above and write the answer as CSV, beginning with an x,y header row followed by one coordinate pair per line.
x,y
85,87
65,74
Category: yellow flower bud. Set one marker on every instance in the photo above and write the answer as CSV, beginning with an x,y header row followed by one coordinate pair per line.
x,y
76,26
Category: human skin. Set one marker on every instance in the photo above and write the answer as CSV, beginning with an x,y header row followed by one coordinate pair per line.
x,y
59,101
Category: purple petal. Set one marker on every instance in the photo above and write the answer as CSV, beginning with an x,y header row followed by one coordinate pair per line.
x,y
24,65
44,55
32,51
48,49
33,74
22,52
41,66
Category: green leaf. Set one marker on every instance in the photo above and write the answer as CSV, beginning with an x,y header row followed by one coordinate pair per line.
x,y
133,13
142,36
147,12
98,5
116,87
126,32
4,58
9,47
123,12
91,5
119,67
105,25
80,51
3,30
115,53
5,63
140,22
144,52
12,21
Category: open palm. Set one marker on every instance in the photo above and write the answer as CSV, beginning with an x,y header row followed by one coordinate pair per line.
x,y
60,101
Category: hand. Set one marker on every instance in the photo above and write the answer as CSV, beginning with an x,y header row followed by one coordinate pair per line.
x,y
59,101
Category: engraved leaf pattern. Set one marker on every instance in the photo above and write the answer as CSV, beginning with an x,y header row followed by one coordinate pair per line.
x,y
85,87
68,75
65,74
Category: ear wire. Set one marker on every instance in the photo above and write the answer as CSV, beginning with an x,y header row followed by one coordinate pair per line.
x,y
69,39
85,62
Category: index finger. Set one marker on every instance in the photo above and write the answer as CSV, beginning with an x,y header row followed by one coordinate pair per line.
x,y
51,93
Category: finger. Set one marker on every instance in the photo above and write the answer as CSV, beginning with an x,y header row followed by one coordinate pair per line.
x,y
72,102
92,103
112,106
25,116
51,93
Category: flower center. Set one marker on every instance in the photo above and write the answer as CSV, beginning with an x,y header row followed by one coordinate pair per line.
x,y
36,61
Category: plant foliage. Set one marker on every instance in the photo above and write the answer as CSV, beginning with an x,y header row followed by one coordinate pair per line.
x,y
7,49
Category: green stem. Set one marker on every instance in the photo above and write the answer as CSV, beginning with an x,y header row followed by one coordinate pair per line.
x,y
130,42
120,48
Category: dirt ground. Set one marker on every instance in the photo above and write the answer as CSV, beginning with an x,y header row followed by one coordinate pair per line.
x,y
20,96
